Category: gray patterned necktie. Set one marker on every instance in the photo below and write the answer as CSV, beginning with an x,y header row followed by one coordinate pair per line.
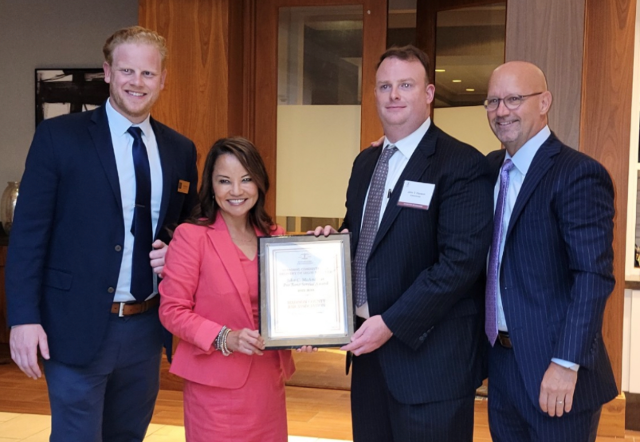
x,y
370,223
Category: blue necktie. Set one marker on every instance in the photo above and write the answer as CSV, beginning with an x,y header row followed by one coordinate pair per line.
x,y
141,228
493,269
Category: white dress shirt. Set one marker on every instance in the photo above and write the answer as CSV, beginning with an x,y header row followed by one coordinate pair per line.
x,y
122,149
521,162
397,163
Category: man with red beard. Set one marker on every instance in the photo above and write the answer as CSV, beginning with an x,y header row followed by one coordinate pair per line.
x,y
98,190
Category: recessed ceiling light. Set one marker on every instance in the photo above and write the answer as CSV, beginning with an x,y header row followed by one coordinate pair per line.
x,y
456,81
441,70
470,90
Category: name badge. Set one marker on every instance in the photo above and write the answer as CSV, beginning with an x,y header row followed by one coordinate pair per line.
x,y
416,195
183,186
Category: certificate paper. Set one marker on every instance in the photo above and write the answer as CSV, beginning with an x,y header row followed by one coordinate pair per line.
x,y
305,291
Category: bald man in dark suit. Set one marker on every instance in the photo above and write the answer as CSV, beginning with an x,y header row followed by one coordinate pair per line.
x,y
549,272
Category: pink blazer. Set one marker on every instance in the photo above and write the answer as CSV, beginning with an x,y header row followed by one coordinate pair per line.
x,y
204,288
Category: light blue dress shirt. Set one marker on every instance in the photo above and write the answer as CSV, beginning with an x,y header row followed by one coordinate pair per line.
x,y
122,149
521,162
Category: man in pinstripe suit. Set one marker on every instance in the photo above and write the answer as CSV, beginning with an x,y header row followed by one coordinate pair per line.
x,y
416,363
549,273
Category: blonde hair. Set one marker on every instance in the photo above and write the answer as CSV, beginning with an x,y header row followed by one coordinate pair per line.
x,y
134,34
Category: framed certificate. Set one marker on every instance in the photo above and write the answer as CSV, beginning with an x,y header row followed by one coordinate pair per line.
x,y
305,291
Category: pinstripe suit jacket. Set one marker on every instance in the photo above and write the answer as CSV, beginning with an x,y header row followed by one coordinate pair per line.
x,y
556,272
424,274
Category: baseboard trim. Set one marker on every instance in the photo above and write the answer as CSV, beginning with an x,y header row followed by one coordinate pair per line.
x,y
632,411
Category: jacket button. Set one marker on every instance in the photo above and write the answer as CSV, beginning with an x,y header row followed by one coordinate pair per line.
x,y
118,248
111,290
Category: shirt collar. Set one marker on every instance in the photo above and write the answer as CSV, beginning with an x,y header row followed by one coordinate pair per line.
x,y
119,124
409,144
524,156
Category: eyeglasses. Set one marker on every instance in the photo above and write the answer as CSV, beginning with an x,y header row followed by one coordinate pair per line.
x,y
511,102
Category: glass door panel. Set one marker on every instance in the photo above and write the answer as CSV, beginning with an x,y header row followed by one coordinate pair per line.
x,y
318,112
469,46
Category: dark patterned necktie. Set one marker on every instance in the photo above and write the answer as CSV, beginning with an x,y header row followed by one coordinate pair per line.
x,y
141,227
491,294
370,223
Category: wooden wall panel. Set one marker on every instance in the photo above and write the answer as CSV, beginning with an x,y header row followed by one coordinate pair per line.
x,y
249,65
535,30
265,119
605,120
375,20
203,95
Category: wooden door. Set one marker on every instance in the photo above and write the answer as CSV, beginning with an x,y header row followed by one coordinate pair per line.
x,y
465,41
265,81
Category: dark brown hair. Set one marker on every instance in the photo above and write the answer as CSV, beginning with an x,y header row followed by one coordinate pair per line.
x,y
407,53
206,211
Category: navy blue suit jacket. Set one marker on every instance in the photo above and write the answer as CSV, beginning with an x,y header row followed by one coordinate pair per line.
x,y
556,272
424,274
66,242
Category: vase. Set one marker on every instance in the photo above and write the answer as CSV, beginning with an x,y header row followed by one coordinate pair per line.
x,y
8,204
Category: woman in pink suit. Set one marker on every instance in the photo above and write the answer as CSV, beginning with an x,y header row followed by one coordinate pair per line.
x,y
234,390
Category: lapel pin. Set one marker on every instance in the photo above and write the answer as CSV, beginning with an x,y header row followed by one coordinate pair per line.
x,y
183,186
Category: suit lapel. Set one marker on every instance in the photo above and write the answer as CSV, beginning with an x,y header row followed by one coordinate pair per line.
x,y
226,249
413,171
166,161
101,136
542,162
495,160
370,161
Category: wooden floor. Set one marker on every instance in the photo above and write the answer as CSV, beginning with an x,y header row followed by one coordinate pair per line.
x,y
312,412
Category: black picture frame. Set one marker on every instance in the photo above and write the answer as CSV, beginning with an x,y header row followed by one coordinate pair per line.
x,y
68,90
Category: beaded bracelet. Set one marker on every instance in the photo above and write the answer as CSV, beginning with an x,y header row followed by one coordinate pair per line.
x,y
216,341
224,334
220,343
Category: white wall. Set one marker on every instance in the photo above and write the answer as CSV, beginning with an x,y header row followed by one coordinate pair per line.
x,y
631,342
468,124
317,146
316,149
46,34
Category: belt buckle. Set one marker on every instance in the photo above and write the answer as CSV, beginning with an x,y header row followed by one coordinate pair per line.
x,y
505,340
121,310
